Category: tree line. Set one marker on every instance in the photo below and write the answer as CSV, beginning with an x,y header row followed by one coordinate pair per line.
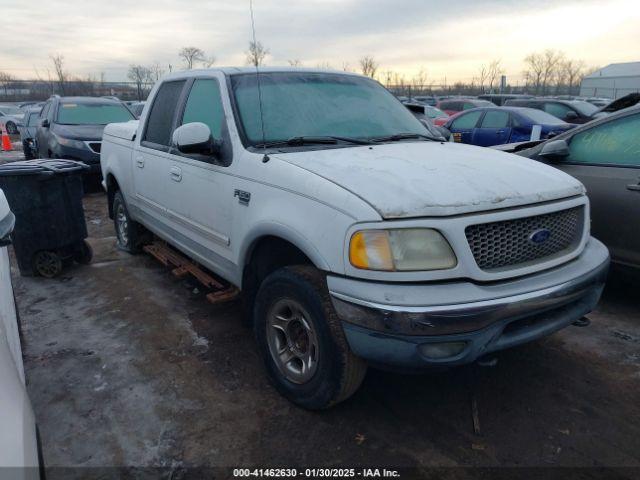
x,y
546,72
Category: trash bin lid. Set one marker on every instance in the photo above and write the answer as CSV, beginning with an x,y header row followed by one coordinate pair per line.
x,y
41,166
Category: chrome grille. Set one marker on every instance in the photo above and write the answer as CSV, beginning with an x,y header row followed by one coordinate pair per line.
x,y
507,243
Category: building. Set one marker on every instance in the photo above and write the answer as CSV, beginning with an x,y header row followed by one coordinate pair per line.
x,y
613,81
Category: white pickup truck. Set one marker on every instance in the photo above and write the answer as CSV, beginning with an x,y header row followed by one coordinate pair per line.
x,y
356,236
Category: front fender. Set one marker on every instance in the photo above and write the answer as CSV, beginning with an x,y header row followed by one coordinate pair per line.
x,y
285,232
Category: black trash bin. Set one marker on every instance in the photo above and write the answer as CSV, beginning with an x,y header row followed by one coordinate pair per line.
x,y
46,199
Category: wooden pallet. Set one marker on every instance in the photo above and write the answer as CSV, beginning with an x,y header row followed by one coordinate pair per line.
x,y
182,266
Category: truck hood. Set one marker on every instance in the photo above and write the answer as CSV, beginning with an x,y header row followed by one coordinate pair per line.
x,y
417,179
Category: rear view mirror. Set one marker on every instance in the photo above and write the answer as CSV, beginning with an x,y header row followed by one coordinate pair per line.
x,y
555,149
571,116
45,123
196,138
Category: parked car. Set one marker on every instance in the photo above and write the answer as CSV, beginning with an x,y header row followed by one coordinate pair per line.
x,y
437,116
18,438
500,125
422,113
426,100
27,128
355,238
452,106
605,156
598,102
136,108
499,99
71,127
10,117
570,111
623,102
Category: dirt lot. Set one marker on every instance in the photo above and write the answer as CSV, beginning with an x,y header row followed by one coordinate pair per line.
x,y
129,366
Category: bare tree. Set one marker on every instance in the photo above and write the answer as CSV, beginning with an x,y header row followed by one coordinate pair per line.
x,y
573,72
494,71
209,61
191,55
61,74
156,71
256,54
419,80
552,60
368,66
295,62
141,76
5,80
483,75
534,72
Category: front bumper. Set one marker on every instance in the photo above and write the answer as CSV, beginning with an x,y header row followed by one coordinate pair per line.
x,y
454,323
86,156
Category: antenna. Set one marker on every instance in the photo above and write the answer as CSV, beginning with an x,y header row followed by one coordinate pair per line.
x,y
265,158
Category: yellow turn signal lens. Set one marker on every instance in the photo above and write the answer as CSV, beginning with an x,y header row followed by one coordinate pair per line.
x,y
370,250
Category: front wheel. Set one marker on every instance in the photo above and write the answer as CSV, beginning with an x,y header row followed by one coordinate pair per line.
x,y
301,339
127,230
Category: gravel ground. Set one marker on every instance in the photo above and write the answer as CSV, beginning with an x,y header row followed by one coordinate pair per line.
x,y
128,366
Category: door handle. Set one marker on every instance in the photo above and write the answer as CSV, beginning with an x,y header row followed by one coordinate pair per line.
x,y
634,186
176,174
499,132
140,162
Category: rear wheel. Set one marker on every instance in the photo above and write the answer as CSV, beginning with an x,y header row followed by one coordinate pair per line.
x,y
127,230
11,128
301,339
47,264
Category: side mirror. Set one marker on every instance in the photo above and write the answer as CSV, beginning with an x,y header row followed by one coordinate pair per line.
x,y
554,149
571,115
195,137
45,123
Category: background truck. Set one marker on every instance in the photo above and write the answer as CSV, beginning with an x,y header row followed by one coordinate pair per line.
x,y
355,236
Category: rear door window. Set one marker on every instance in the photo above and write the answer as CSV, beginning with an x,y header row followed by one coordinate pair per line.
x,y
161,115
495,119
468,120
615,143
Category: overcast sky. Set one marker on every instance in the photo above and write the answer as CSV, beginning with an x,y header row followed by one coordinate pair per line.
x,y
446,38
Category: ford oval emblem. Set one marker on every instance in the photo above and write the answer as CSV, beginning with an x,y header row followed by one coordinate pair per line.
x,y
539,236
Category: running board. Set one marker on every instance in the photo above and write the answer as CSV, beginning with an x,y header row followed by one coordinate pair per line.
x,y
181,266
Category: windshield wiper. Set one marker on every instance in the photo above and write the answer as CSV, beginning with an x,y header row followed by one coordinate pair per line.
x,y
405,136
310,140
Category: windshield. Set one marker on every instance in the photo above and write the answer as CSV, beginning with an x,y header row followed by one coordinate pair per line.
x,y
300,104
92,113
538,117
585,108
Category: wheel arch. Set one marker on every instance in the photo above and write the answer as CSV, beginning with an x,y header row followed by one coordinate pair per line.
x,y
112,187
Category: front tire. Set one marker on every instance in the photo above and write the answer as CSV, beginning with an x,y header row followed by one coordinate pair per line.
x,y
127,230
301,339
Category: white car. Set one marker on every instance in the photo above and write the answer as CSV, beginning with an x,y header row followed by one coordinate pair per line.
x,y
356,237
10,119
18,444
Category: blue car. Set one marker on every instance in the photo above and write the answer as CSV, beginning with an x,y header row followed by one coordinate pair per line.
x,y
487,126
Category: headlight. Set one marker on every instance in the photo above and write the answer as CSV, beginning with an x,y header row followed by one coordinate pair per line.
x,y
408,249
68,142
